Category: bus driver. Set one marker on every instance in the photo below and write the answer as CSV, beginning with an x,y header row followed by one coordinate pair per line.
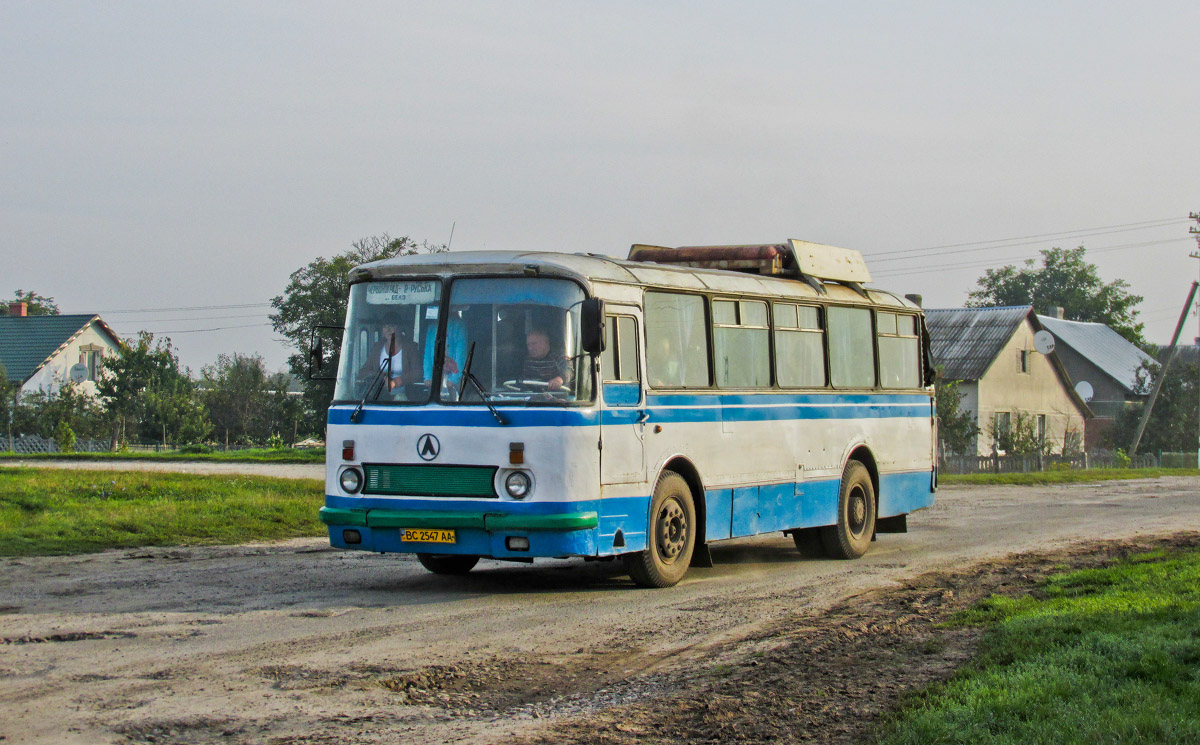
x,y
552,369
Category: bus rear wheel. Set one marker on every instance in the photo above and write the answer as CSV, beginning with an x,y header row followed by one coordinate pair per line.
x,y
448,563
851,537
671,535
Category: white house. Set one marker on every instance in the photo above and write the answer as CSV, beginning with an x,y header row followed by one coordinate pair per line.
x,y
38,352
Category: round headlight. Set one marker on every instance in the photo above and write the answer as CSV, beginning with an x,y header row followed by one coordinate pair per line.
x,y
517,484
351,480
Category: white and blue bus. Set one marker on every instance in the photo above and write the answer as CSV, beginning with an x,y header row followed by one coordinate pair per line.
x,y
511,405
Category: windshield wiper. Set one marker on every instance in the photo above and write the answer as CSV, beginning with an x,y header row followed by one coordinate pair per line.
x,y
483,394
385,365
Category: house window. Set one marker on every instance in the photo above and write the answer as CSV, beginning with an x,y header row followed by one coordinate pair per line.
x,y
1002,430
91,356
1023,361
1041,429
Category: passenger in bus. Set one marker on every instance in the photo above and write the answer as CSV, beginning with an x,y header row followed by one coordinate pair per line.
x,y
406,366
554,369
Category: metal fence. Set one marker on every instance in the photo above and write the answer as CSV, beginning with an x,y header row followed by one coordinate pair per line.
x,y
967,464
27,444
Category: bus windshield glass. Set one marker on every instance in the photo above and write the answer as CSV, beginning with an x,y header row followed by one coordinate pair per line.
x,y
388,346
522,338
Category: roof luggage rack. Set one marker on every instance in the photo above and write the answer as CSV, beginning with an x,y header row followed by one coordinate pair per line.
x,y
812,263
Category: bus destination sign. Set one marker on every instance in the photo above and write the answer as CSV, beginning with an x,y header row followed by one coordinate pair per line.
x,y
401,293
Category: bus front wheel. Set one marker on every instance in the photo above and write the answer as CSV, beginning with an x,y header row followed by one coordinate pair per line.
x,y
671,535
851,537
448,563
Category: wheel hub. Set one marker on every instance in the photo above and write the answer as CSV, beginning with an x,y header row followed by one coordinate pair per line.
x,y
672,530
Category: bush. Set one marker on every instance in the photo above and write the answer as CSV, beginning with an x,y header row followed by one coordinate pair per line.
x,y
64,436
195,448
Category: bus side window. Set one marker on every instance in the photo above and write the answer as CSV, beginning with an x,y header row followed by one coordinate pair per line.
x,y
799,346
851,347
899,351
741,350
620,359
676,341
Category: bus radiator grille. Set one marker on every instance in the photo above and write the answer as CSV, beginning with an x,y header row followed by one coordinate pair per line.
x,y
430,480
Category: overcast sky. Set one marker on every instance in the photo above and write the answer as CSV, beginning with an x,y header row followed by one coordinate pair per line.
x,y
164,156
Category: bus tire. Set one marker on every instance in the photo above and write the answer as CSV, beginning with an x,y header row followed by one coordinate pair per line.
x,y
808,543
851,537
448,563
671,535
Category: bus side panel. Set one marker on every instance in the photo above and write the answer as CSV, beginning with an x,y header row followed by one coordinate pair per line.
x,y
718,506
901,493
626,515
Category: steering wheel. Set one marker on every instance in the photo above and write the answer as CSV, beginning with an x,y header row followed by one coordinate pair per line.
x,y
524,385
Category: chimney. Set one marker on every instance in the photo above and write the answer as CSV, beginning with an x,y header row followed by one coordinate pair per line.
x,y
18,309
1058,312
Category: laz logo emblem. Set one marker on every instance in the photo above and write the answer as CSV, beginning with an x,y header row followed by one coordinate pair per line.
x,y
428,447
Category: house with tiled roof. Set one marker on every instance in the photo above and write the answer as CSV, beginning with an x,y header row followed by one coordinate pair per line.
x,y
1003,375
38,352
1103,366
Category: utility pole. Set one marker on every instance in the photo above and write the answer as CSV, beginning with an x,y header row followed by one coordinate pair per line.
x,y
1195,230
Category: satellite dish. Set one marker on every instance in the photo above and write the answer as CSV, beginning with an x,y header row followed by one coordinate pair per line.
x,y
1084,389
1043,342
79,372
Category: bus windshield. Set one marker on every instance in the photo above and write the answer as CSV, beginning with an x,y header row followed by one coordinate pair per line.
x,y
387,349
522,338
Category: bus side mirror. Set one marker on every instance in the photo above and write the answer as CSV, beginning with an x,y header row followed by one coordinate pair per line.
x,y
591,326
316,351
317,354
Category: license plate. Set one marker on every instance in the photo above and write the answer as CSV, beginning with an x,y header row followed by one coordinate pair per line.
x,y
427,536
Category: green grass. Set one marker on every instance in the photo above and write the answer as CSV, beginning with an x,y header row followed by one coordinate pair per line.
x,y
50,511
1096,656
253,455
1064,477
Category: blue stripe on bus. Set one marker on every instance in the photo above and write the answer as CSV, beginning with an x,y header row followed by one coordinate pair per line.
x,y
663,408
729,513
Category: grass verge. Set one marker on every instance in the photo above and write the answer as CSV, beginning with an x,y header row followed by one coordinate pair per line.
x,y
253,455
1106,655
1064,477
48,511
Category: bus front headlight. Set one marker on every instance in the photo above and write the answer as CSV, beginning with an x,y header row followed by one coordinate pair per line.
x,y
351,480
517,484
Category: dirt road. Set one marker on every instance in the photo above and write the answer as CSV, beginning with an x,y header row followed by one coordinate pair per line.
x,y
297,643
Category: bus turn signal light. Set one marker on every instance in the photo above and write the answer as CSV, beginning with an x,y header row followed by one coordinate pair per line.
x,y
347,449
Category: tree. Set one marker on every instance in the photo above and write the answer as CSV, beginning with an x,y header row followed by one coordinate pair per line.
x,y
1067,280
957,427
237,396
38,305
46,414
1174,420
144,388
7,393
316,295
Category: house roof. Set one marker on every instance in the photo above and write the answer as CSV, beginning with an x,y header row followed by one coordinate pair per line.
x,y
28,342
1100,345
965,341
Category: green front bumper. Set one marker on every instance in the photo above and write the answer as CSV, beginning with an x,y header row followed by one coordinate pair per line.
x,y
382,518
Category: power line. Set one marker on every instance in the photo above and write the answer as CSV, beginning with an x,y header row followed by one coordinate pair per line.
x,y
898,272
1082,233
216,328
195,318
236,306
932,252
